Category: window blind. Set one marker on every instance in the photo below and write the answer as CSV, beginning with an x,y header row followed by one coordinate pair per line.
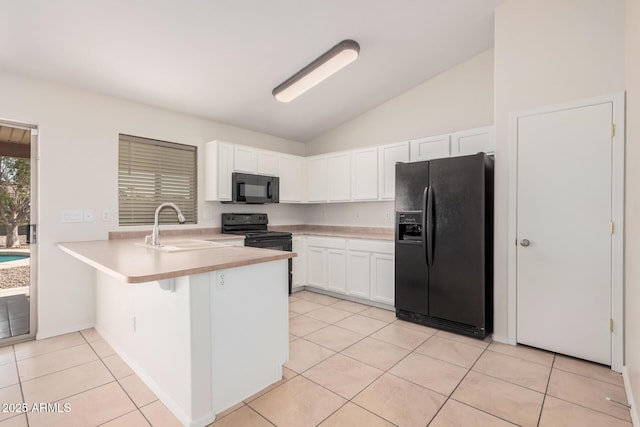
x,y
152,172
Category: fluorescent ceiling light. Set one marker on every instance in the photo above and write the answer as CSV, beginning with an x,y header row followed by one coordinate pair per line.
x,y
336,58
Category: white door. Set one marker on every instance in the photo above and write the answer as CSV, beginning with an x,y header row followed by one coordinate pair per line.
x,y
564,213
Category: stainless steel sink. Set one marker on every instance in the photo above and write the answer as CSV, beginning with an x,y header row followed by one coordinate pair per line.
x,y
184,245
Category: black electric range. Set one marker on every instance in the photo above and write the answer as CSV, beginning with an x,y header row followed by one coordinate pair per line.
x,y
254,227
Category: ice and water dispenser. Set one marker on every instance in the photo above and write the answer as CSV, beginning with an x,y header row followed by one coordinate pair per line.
x,y
409,227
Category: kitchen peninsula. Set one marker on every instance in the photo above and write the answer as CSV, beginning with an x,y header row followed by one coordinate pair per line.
x,y
204,328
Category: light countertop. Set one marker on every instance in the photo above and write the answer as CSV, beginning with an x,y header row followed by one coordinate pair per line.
x,y
131,263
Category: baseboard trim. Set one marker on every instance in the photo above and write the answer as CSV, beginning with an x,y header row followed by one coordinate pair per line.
x,y
635,417
501,339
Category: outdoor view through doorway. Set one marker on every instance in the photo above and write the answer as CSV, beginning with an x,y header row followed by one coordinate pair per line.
x,y
15,201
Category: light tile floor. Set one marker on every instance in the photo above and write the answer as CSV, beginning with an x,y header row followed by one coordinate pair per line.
x,y
350,365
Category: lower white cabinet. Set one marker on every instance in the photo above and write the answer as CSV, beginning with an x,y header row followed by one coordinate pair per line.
x,y
355,267
299,266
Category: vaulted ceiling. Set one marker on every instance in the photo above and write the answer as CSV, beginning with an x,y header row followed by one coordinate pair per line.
x,y
220,59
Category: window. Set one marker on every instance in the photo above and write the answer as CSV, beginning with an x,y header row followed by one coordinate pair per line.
x,y
152,172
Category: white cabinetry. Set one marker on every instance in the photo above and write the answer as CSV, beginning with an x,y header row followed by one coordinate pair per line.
x,y
364,174
291,173
326,263
316,266
267,163
336,270
299,263
339,177
383,278
317,179
473,141
433,147
358,274
245,159
389,155
217,171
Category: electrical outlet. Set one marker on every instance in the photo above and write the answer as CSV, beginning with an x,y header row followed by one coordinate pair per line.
x,y
221,285
388,215
207,214
88,215
106,215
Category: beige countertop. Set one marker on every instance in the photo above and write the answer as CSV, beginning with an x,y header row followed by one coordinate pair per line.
x,y
131,263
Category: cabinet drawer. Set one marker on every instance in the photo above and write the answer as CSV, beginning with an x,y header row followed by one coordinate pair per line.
x,y
327,242
380,246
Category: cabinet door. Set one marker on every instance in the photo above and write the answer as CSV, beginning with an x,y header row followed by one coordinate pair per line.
x,y
473,141
336,270
317,179
299,262
433,147
382,275
316,267
290,170
389,155
217,170
267,163
358,274
339,177
245,159
364,174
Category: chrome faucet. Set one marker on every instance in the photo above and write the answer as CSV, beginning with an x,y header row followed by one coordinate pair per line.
x,y
154,238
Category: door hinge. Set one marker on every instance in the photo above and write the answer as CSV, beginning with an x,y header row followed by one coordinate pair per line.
x,y
611,325
613,130
612,227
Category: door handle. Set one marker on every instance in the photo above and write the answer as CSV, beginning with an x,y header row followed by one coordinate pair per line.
x,y
525,242
429,230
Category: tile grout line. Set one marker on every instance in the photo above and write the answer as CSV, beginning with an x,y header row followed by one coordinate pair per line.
x,y
546,390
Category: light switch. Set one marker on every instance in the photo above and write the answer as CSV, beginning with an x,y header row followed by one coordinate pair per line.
x,y
72,215
88,215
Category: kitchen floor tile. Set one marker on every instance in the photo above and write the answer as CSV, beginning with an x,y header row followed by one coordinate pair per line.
x,y
376,353
91,408
353,415
159,416
304,354
464,339
318,298
588,369
303,325
400,401
293,314
328,314
303,306
351,306
299,402
48,345
8,374
559,413
511,402
47,363
343,375
117,366
102,348
244,416
401,336
361,324
434,374
137,390
90,335
523,352
335,338
456,414
17,421
6,355
131,419
61,384
588,392
11,394
514,370
287,374
455,352
380,314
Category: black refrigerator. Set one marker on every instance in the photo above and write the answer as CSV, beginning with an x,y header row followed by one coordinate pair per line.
x,y
444,244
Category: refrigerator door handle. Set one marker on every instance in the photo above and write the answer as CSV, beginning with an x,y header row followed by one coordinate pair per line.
x,y
429,224
425,198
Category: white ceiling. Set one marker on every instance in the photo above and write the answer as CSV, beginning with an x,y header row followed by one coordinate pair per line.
x,y
220,59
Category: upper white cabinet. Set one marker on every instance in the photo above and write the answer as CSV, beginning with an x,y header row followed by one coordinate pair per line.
x,y
433,147
291,173
217,171
389,155
364,174
317,179
473,141
267,163
245,159
339,177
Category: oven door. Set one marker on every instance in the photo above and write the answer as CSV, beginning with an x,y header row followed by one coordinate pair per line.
x,y
248,188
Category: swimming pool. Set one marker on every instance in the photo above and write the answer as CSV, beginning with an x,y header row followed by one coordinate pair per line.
x,y
12,257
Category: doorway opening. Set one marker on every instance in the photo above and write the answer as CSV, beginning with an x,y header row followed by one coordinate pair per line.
x,y
17,232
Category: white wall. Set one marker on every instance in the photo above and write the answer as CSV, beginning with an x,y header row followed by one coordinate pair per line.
x,y
547,52
362,214
78,170
460,98
632,249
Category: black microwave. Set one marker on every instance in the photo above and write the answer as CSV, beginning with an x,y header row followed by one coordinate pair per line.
x,y
249,188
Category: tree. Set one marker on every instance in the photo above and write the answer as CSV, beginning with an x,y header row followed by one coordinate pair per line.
x,y
15,196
